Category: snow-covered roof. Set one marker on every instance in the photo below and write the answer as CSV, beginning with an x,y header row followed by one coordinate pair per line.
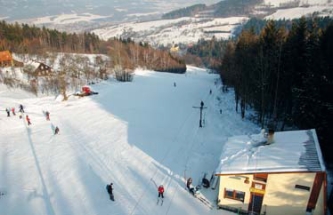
x,y
291,151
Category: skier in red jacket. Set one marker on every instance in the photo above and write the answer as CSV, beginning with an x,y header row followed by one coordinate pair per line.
x,y
160,191
28,120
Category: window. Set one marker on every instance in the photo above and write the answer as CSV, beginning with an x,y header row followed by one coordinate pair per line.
x,y
260,177
297,186
234,194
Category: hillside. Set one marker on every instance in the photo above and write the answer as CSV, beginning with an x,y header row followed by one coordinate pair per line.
x,y
136,135
43,45
211,22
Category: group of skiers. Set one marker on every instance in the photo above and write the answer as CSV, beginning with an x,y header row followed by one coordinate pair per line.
x,y
160,189
109,188
12,110
27,118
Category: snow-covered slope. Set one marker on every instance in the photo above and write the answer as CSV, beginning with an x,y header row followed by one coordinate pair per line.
x,y
278,3
173,31
137,135
189,30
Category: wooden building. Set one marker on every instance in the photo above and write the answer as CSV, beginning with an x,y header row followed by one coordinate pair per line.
x,y
6,59
43,70
280,173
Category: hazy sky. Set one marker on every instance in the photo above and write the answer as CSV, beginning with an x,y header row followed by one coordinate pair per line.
x,y
23,9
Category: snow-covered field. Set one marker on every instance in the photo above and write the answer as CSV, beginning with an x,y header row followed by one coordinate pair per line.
x,y
137,135
277,3
298,12
189,30
141,20
184,30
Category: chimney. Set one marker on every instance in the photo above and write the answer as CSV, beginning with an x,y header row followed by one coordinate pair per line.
x,y
270,137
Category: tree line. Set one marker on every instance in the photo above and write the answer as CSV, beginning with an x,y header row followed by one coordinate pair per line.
x,y
25,39
285,74
22,38
224,8
185,12
60,51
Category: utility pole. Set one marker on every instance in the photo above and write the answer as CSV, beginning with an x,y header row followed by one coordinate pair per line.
x,y
201,108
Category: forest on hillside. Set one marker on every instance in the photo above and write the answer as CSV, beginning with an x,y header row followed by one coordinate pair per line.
x,y
284,73
226,8
229,8
25,39
185,12
64,53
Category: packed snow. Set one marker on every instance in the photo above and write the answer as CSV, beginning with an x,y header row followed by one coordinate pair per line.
x,y
137,135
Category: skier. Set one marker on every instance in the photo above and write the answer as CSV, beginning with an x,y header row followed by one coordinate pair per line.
x,y
174,84
13,111
210,92
109,188
190,187
47,114
56,130
8,112
188,183
28,120
205,182
21,108
161,191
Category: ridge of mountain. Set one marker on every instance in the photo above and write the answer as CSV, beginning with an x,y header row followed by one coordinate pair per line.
x,y
205,22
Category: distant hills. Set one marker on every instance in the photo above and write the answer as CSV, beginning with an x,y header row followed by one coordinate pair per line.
x,y
224,8
188,25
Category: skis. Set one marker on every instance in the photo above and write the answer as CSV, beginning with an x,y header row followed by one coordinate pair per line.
x,y
197,194
158,201
202,199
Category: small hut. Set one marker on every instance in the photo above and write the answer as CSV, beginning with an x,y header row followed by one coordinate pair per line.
x,y
42,70
6,59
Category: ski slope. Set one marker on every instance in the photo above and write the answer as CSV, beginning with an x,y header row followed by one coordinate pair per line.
x,y
138,135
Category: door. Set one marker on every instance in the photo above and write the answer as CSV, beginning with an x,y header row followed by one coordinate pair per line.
x,y
255,203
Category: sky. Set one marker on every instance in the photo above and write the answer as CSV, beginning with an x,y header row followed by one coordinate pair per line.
x,y
138,135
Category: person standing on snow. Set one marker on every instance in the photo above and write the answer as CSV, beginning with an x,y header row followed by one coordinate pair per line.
x,y
21,108
161,191
8,112
47,114
188,183
28,120
56,130
109,188
13,111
